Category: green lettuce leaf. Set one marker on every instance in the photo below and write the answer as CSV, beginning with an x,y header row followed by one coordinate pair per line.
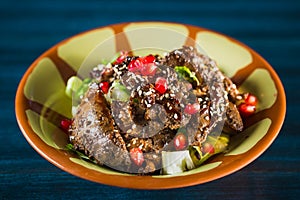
x,y
186,74
219,144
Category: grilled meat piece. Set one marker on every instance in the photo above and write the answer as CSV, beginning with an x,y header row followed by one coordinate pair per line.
x,y
93,131
213,85
234,122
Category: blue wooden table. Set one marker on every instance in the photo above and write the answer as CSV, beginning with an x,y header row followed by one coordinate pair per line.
x,y
28,28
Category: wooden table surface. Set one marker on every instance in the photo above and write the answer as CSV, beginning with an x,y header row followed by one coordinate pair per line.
x,y
28,28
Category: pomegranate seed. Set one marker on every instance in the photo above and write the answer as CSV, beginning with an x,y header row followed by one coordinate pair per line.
x,y
180,141
148,69
246,109
161,85
65,124
144,65
121,58
208,148
149,59
104,87
137,156
251,99
192,108
135,65
131,66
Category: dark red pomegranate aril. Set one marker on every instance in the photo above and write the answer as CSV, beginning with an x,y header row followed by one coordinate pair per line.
x,y
149,59
65,124
246,110
135,65
208,148
121,58
131,66
104,87
180,141
137,156
148,69
192,108
161,85
251,99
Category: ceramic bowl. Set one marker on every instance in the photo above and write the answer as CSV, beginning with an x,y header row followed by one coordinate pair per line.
x,y
41,102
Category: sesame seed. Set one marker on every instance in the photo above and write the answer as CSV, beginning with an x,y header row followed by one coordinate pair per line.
x,y
222,109
239,97
124,66
140,92
148,93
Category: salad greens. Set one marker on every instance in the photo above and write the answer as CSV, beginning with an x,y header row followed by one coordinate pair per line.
x,y
174,162
70,147
217,145
118,92
76,88
186,74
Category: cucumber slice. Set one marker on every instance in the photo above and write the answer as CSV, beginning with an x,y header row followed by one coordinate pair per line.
x,y
119,92
73,85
